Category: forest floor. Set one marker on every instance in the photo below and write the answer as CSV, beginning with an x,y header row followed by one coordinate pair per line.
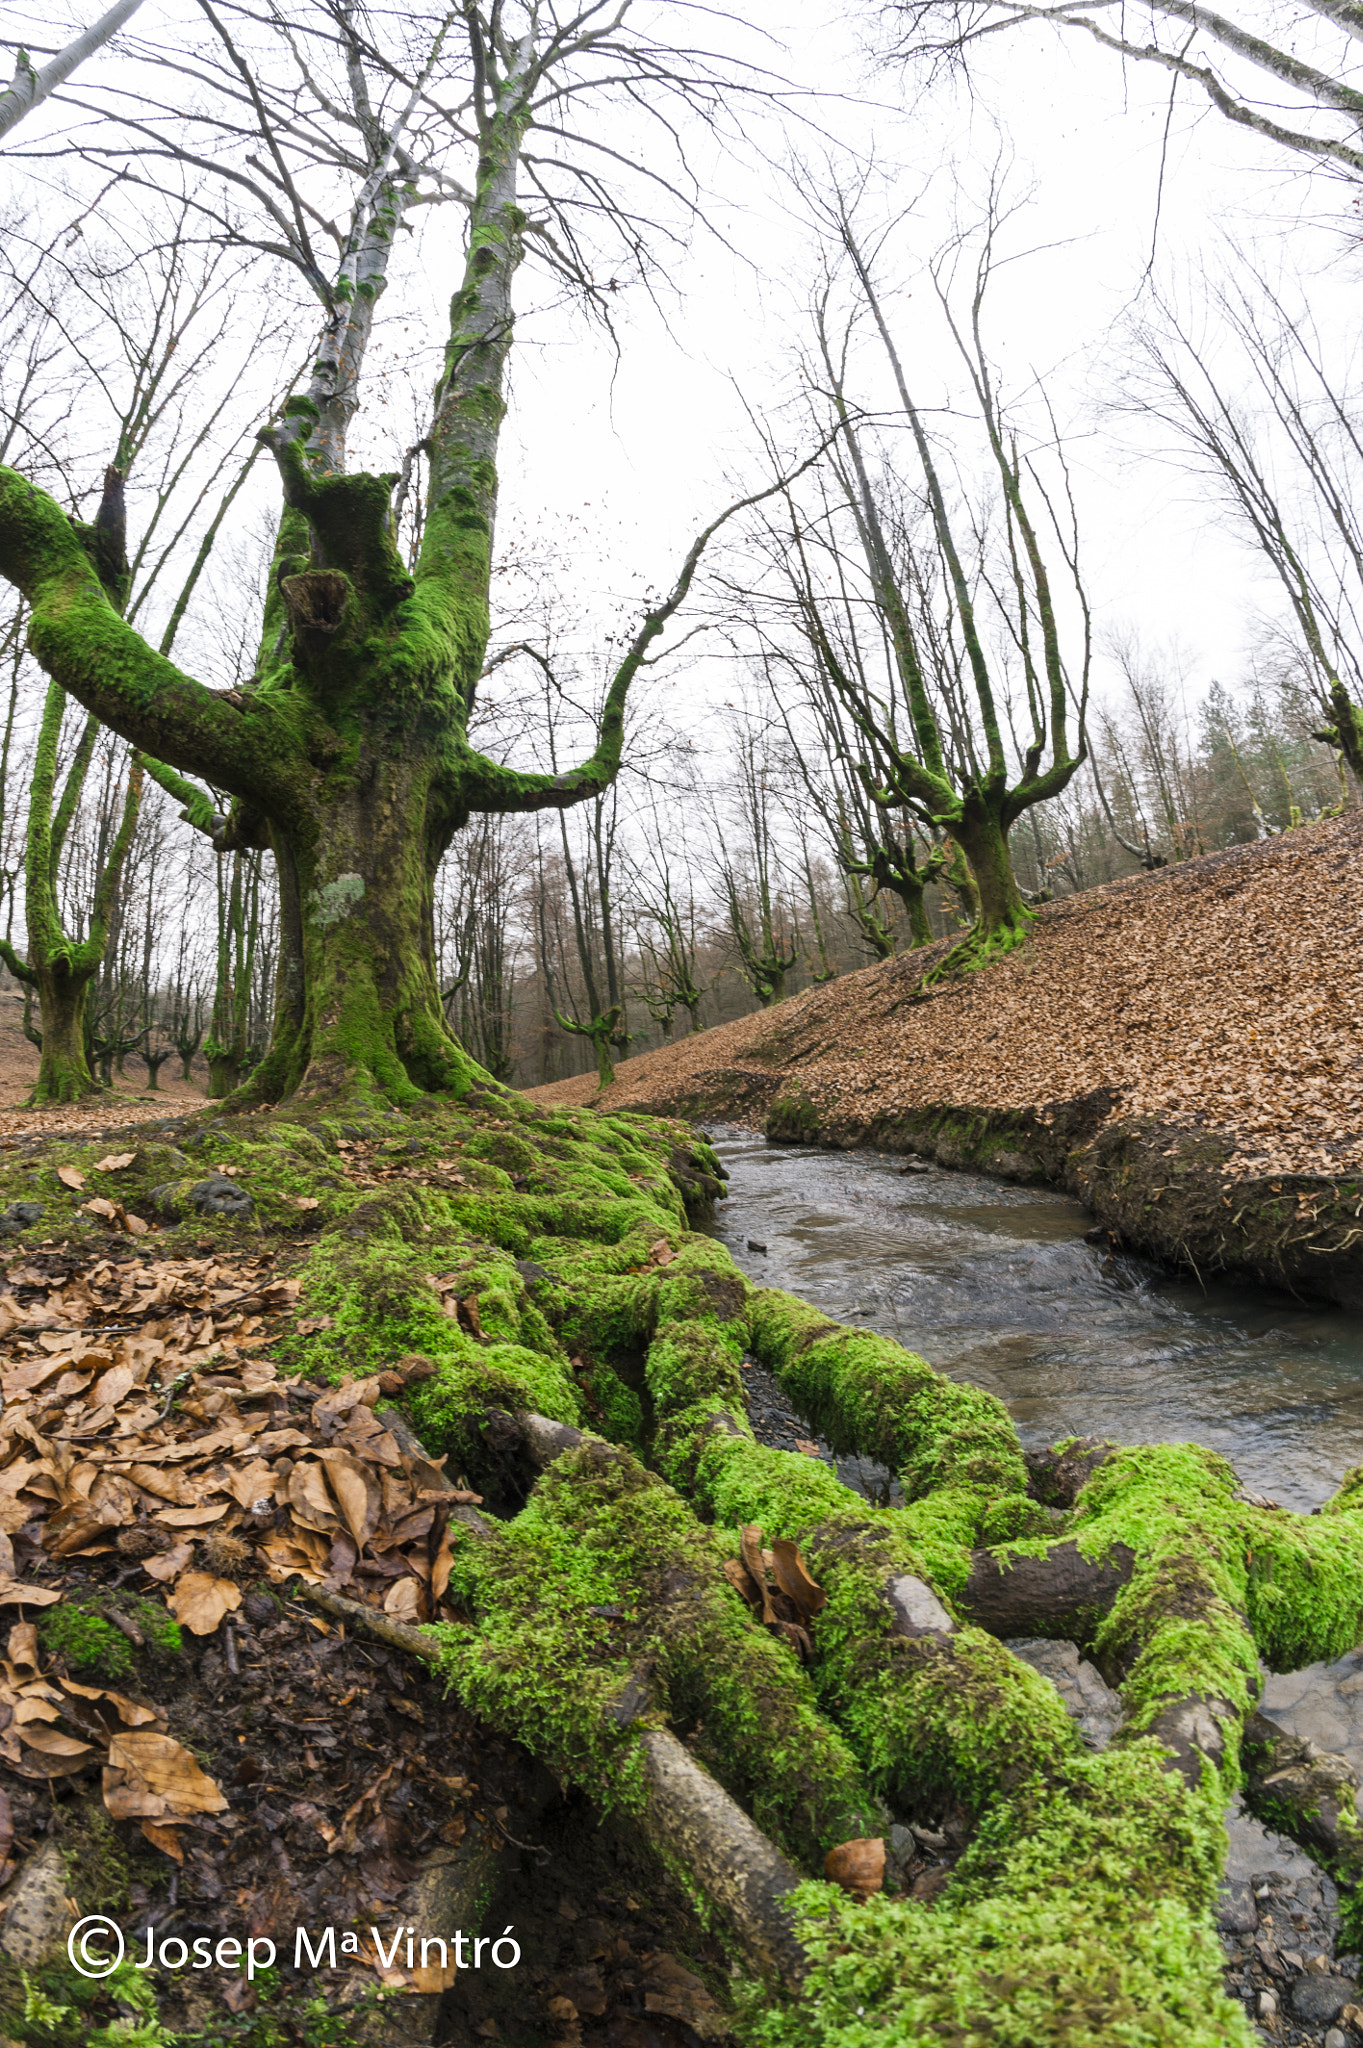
x,y
131,1101
196,1428
1182,1050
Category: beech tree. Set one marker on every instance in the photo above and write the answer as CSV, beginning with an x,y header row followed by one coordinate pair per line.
x,y
347,753
1283,459
918,641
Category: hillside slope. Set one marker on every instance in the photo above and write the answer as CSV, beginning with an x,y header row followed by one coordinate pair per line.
x,y
1183,1050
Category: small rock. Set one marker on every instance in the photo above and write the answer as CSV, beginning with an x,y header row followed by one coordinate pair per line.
x,y
39,1909
1236,1912
219,1197
902,1843
1336,2039
754,1246
20,1215
915,1166
1268,2004
1319,2000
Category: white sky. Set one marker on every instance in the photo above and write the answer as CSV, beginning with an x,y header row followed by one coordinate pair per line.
x,y
626,460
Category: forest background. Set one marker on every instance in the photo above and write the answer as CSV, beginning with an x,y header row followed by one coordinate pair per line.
x,y
721,870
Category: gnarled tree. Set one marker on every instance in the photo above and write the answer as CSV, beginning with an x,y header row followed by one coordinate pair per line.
x,y
948,617
347,754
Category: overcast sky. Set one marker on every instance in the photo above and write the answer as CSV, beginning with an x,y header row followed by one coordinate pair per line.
x,y
627,458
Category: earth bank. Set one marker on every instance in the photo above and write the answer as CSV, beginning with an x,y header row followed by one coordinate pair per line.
x,y
1180,1050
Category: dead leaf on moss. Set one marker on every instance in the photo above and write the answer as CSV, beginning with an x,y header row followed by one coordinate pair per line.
x,y
115,1162
70,1176
858,1866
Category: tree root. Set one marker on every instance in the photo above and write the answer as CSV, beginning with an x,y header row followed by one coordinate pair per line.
x,y
690,1820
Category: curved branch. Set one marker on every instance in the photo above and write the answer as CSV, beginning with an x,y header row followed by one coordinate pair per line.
x,y
80,640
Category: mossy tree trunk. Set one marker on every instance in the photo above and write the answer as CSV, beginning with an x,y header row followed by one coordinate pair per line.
x,y
347,756
59,969
934,748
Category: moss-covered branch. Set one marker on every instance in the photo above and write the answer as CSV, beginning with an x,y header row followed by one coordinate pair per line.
x,y
80,640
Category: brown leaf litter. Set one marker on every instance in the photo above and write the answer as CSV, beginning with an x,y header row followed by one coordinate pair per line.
x,y
1225,993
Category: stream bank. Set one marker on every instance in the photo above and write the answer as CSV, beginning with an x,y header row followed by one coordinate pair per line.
x,y
1001,1285
1179,1051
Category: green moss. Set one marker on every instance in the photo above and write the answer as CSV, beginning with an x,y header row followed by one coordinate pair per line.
x,y
867,1395
642,1614
1078,1917
80,1636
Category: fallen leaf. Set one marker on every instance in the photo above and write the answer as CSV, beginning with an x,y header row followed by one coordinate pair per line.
x,y
101,1206
150,1776
403,1600
137,1226
750,1543
70,1176
793,1578
192,1518
307,1202
51,1742
357,1491
858,1866
13,1593
163,1838
115,1162
169,1564
111,1386
200,1601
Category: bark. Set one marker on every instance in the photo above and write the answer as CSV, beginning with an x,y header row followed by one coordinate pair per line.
x,y
1062,1594
59,968
29,88
63,1072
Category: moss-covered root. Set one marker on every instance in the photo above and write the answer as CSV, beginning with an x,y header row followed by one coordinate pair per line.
x,y
729,1866
867,1395
1305,1793
1077,1918
603,1609
1177,1636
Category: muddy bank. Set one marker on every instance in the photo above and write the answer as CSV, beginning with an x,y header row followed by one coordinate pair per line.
x,y
1181,1051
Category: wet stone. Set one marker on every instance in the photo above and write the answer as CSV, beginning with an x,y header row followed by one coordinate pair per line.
x,y
20,1216
1318,1999
775,1423
1093,1704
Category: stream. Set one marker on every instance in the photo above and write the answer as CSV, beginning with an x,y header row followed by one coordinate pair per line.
x,y
998,1285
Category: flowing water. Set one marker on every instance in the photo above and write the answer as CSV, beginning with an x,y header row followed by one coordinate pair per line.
x,y
996,1285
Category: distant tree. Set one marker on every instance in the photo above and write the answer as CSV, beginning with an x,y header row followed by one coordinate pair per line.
x,y
1297,421
948,618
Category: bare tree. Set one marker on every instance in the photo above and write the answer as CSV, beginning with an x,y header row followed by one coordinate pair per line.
x,y
29,87
1299,417
1218,55
386,658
